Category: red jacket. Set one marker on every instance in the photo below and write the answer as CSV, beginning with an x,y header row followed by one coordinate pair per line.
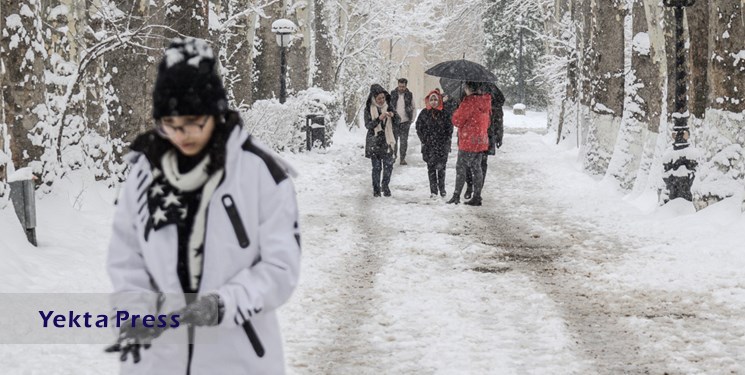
x,y
472,120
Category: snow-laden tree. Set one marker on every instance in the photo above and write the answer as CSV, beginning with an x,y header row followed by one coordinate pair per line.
x,y
515,41
23,53
721,136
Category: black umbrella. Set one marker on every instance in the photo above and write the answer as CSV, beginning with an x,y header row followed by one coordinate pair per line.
x,y
452,87
462,70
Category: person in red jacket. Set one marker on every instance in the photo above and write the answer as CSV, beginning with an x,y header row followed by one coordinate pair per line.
x,y
472,118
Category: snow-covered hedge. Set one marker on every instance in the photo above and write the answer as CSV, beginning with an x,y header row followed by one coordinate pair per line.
x,y
282,126
722,173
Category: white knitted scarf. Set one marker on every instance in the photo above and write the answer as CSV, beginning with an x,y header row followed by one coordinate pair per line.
x,y
375,112
188,182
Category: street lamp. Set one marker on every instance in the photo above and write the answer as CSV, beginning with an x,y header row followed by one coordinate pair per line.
x,y
284,29
679,170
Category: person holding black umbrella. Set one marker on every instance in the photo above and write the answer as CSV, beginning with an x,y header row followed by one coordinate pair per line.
x,y
380,143
472,118
495,132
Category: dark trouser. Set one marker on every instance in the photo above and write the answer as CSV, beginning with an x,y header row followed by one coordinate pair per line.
x,y
382,163
436,172
469,162
469,176
401,132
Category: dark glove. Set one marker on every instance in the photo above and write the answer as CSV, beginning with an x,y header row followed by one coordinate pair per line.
x,y
132,338
206,311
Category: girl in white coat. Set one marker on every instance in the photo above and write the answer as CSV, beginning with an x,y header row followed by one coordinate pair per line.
x,y
205,233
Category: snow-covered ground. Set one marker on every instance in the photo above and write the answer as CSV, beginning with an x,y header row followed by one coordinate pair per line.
x,y
556,274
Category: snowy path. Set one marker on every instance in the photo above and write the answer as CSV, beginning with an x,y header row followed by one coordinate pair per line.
x,y
412,285
555,274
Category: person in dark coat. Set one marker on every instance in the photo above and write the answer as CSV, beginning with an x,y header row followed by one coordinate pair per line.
x,y
435,131
495,132
380,144
402,101
472,119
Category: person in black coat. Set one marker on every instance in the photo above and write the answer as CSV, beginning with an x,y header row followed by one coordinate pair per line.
x,y
380,143
495,131
435,131
403,104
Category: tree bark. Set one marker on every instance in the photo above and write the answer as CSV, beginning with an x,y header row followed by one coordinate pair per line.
x,y
325,62
191,19
647,71
607,83
698,58
608,35
95,111
237,57
23,89
132,78
726,75
3,123
267,62
297,52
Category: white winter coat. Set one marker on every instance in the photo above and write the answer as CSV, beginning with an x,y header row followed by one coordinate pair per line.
x,y
254,271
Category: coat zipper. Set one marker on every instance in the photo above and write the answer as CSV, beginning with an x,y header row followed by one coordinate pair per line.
x,y
235,220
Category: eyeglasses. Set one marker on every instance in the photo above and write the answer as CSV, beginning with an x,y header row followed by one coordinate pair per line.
x,y
188,128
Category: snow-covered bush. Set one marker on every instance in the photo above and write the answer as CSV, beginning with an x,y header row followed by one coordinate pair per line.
x,y
282,126
722,173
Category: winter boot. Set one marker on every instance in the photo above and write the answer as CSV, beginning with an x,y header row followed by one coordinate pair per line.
x,y
454,200
469,192
475,201
386,192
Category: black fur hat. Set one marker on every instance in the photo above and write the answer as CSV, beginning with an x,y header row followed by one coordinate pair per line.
x,y
188,82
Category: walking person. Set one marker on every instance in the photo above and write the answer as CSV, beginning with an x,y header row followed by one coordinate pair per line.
x,y
205,233
472,120
495,132
435,131
380,143
403,103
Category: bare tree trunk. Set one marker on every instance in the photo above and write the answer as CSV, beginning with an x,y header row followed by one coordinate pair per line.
x,y
567,114
191,19
722,137
698,58
3,124
132,78
267,62
237,55
585,68
297,53
325,62
607,48
645,67
727,38
95,111
23,89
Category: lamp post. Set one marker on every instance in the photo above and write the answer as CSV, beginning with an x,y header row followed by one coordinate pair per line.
x,y
679,170
283,28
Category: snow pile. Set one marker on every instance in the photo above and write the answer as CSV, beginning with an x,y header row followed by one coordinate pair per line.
x,y
17,272
282,126
722,173
531,120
